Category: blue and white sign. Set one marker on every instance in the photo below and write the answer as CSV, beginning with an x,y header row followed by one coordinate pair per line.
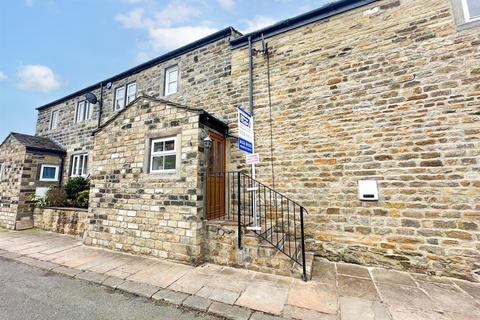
x,y
245,131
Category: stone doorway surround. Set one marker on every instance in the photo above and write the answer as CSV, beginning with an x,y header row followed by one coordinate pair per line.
x,y
337,291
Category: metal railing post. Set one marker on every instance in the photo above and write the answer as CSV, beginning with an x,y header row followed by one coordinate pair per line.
x,y
239,209
304,265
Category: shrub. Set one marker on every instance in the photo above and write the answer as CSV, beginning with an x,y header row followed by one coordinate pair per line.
x,y
40,202
56,197
82,198
76,185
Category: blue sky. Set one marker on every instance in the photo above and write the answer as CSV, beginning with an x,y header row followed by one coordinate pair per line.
x,y
49,48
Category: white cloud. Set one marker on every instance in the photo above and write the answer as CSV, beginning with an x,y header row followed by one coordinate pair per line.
x,y
37,78
227,4
166,28
257,23
29,3
3,76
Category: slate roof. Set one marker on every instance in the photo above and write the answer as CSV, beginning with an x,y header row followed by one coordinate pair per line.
x,y
34,143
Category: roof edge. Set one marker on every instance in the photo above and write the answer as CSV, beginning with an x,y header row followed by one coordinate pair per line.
x,y
322,13
169,55
152,99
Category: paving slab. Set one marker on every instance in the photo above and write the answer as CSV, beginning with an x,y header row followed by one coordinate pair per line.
x,y
92,277
392,277
450,298
351,308
400,296
191,282
264,316
229,312
305,314
126,270
353,270
139,289
357,287
67,271
113,282
218,294
405,313
315,296
264,297
472,289
197,303
10,255
170,296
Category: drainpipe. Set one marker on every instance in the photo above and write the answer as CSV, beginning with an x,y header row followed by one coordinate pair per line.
x,y
250,74
60,174
100,106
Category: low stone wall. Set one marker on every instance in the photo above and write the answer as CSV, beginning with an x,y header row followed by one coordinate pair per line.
x,y
221,248
71,221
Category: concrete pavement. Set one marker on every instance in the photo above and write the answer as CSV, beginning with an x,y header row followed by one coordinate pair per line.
x,y
337,291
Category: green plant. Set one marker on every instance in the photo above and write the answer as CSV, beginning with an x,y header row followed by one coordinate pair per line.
x,y
56,197
40,202
76,185
82,198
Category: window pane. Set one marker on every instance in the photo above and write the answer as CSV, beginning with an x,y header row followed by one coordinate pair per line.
x,y
169,145
54,120
157,163
85,165
158,147
474,8
49,173
173,75
170,162
131,92
172,87
219,157
119,98
75,166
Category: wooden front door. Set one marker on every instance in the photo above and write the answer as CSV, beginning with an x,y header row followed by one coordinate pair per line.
x,y
216,177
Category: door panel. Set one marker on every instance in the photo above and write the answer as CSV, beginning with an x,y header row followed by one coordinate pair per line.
x,y
216,177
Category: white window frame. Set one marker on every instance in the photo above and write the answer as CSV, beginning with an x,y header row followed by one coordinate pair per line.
x,y
77,170
57,171
119,97
163,154
54,119
169,81
86,115
2,170
130,96
466,12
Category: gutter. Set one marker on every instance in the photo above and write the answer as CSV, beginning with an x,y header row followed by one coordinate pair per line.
x,y
316,15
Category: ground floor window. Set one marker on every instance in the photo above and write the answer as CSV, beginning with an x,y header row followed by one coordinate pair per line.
x,y
49,172
163,155
79,165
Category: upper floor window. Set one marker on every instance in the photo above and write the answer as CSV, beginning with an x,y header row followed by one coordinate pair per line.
x,y
2,170
54,120
79,165
171,80
124,95
49,172
163,155
84,111
471,10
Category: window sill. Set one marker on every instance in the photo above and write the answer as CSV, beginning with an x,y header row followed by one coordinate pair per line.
x,y
468,25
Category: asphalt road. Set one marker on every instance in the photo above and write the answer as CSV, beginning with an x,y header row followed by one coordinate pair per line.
x,y
29,293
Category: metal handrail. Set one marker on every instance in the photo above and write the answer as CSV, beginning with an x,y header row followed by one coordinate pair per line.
x,y
281,220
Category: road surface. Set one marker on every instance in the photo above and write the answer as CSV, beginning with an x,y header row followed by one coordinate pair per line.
x,y
29,293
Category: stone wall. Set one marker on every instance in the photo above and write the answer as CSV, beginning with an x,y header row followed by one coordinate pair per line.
x,y
12,153
71,221
204,81
391,94
136,211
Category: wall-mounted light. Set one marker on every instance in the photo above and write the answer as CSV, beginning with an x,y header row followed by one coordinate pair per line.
x,y
207,142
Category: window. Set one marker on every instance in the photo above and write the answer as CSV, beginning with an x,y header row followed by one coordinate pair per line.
x,y
163,155
131,92
49,172
2,171
119,98
171,80
124,95
83,111
471,10
54,120
79,165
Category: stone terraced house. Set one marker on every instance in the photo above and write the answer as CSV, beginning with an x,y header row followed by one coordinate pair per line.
x,y
367,125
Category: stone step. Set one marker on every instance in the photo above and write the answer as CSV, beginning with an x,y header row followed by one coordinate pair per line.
x,y
24,224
